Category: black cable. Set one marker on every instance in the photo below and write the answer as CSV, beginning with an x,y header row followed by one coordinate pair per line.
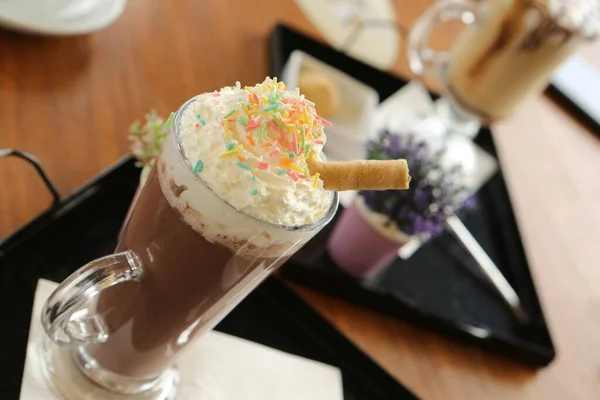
x,y
38,167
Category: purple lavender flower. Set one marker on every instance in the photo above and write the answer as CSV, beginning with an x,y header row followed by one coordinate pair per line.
x,y
434,190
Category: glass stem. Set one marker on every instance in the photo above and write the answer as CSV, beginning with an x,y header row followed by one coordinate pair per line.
x,y
455,120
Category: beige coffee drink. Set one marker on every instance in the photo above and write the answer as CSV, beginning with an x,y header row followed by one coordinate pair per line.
x,y
512,48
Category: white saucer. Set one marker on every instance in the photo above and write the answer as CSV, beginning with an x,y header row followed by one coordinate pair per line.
x,y
59,17
377,46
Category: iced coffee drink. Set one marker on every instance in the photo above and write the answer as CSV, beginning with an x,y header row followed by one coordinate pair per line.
x,y
511,49
507,51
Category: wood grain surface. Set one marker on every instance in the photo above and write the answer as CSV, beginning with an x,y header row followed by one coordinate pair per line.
x,y
69,101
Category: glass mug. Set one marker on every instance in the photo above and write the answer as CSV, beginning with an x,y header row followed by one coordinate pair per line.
x,y
185,258
507,51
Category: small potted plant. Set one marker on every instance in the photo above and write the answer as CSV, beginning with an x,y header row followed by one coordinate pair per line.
x,y
370,232
147,140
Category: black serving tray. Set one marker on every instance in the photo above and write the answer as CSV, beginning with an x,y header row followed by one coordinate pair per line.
x,y
85,225
438,286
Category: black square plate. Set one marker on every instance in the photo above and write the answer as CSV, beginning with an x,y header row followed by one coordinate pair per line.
x,y
433,288
85,226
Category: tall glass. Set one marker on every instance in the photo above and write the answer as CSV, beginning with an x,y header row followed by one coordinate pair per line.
x,y
507,51
185,259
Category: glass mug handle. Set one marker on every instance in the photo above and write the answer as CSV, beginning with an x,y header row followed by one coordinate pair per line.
x,y
65,320
421,58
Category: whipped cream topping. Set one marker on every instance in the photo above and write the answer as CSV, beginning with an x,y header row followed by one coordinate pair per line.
x,y
250,146
577,16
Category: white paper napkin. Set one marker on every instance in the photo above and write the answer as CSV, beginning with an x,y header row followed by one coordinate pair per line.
x,y
215,367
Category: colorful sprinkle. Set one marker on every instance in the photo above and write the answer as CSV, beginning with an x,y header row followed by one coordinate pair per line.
x,y
227,130
244,166
286,162
230,146
306,115
169,122
282,172
241,158
319,142
230,113
274,153
253,177
293,175
230,152
281,139
291,155
253,192
263,166
307,151
303,136
250,140
295,148
278,122
295,167
198,167
261,132
253,124
216,94
273,125
270,108
243,120
315,180
325,122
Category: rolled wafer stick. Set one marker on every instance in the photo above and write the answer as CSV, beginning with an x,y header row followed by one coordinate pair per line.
x,y
361,174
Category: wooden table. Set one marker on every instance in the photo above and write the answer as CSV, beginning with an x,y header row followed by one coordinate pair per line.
x,y
70,101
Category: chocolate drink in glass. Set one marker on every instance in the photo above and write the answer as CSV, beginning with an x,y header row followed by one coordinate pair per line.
x,y
228,200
